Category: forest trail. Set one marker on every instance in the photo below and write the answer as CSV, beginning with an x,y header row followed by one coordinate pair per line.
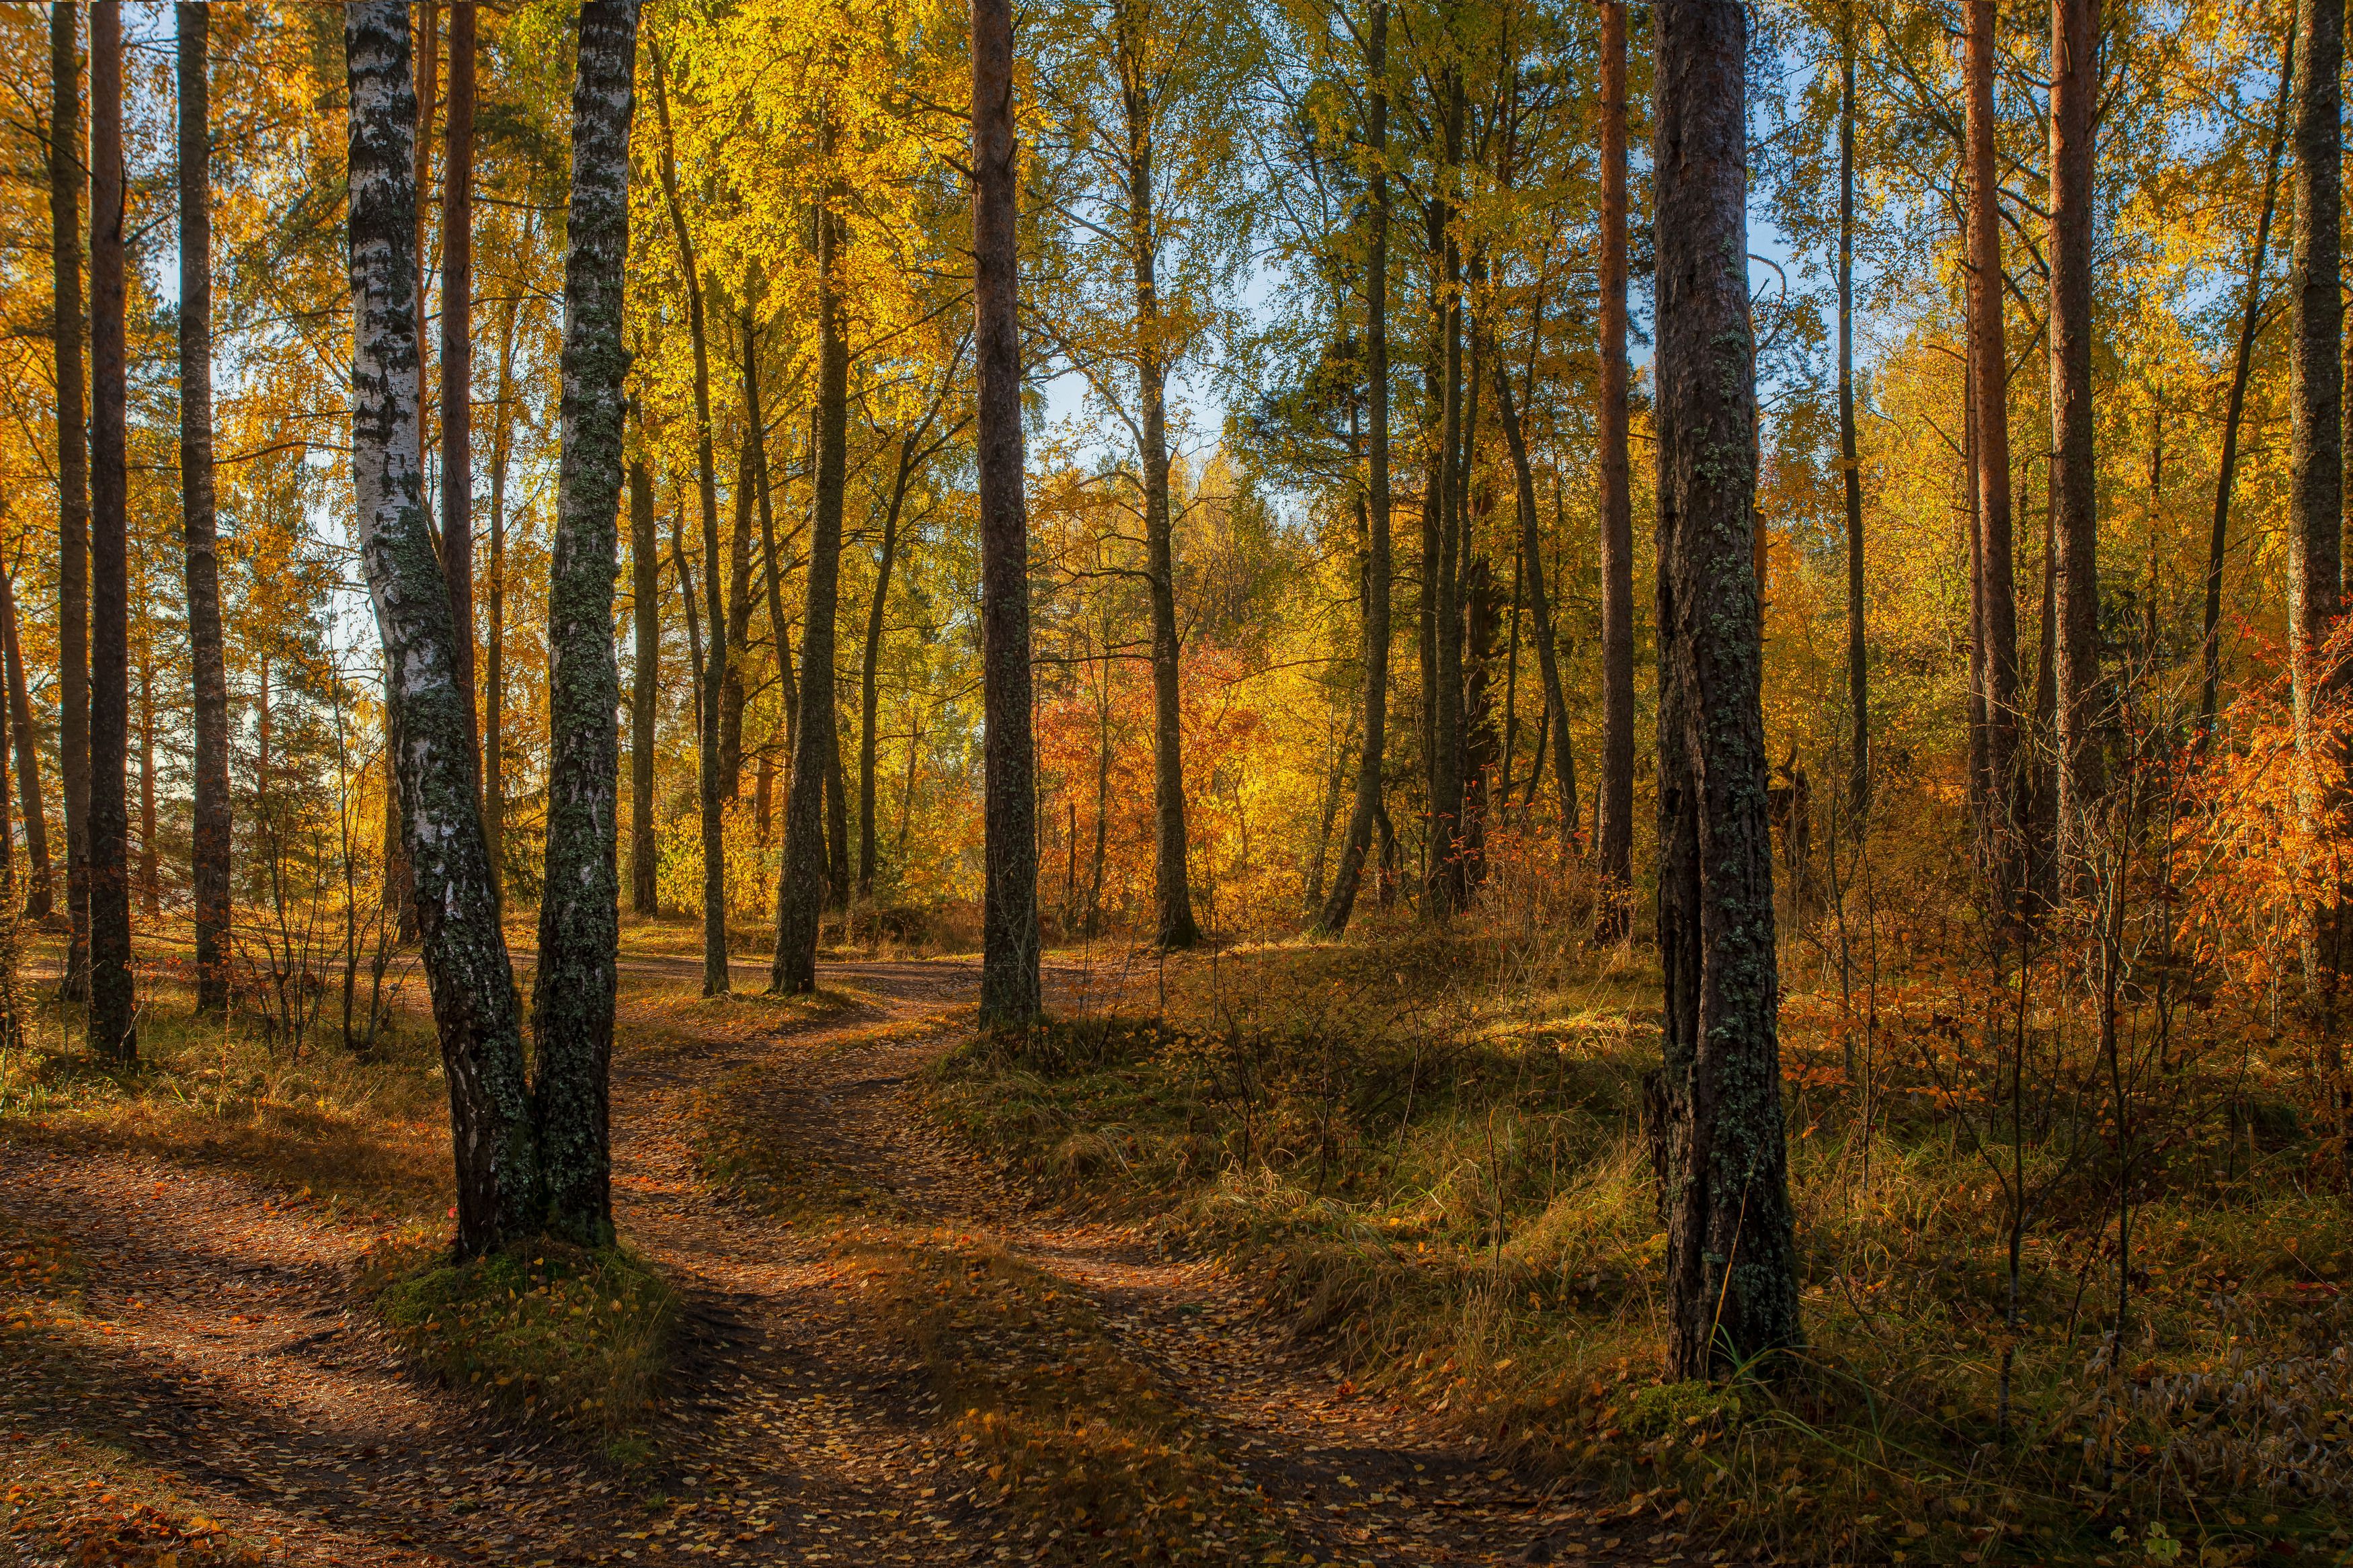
x,y
224,1344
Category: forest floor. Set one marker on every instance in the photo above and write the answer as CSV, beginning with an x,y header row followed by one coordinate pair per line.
x,y
189,1371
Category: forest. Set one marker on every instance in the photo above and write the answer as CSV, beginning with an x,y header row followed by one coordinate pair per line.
x,y
1309,782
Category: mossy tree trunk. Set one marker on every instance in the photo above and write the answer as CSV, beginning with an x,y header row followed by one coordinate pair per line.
x,y
1732,1289
475,1011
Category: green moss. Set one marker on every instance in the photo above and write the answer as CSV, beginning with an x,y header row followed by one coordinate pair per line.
x,y
557,1334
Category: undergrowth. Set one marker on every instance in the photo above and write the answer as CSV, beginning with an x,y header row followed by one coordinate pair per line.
x,y
557,1334
1429,1152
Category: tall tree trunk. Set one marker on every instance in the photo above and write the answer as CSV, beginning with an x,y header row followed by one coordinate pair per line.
x,y
837,875
645,685
2250,322
801,885
2316,365
1731,1279
732,695
1614,810
1173,925
208,659
39,892
1378,569
713,674
869,665
494,620
2075,89
1995,612
67,173
150,870
1447,889
1008,965
458,363
580,902
1858,676
1540,612
778,626
112,1003
475,1011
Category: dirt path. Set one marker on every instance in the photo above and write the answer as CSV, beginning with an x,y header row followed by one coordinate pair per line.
x,y
221,1345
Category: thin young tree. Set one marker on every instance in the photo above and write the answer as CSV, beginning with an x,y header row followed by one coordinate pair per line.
x,y
713,665
207,660
580,907
645,683
68,173
1009,988
475,1011
801,886
1531,549
1613,828
2250,311
1858,669
2074,510
494,611
39,890
113,999
1731,1278
1380,570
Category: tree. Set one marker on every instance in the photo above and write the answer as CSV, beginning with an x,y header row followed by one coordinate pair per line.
x,y
645,683
66,175
801,884
113,998
1613,828
1009,990
39,894
1731,1279
713,666
2075,514
1994,602
2316,365
457,359
579,911
475,1012
1380,570
1858,672
207,660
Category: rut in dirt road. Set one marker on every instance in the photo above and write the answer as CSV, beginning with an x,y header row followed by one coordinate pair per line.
x,y
220,1343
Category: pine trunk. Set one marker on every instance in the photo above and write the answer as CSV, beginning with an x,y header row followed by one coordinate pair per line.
x,y
1996,613
41,894
113,1002
68,173
475,1011
1858,674
580,902
1614,810
208,659
1008,965
1731,1281
2315,366
2075,89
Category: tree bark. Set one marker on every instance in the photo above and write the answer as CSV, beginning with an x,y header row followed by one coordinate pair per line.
x,y
739,605
713,664
1613,828
39,890
208,659
645,687
1447,889
68,173
869,665
1379,569
2316,365
1857,675
1731,1287
474,1005
150,869
2075,90
2250,322
801,885
113,1002
1996,610
458,364
494,619
1540,612
580,902
1009,990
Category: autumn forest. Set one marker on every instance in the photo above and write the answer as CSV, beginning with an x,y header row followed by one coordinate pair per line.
x,y
1317,782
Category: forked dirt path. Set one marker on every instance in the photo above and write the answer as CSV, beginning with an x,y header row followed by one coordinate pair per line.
x,y
221,1343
